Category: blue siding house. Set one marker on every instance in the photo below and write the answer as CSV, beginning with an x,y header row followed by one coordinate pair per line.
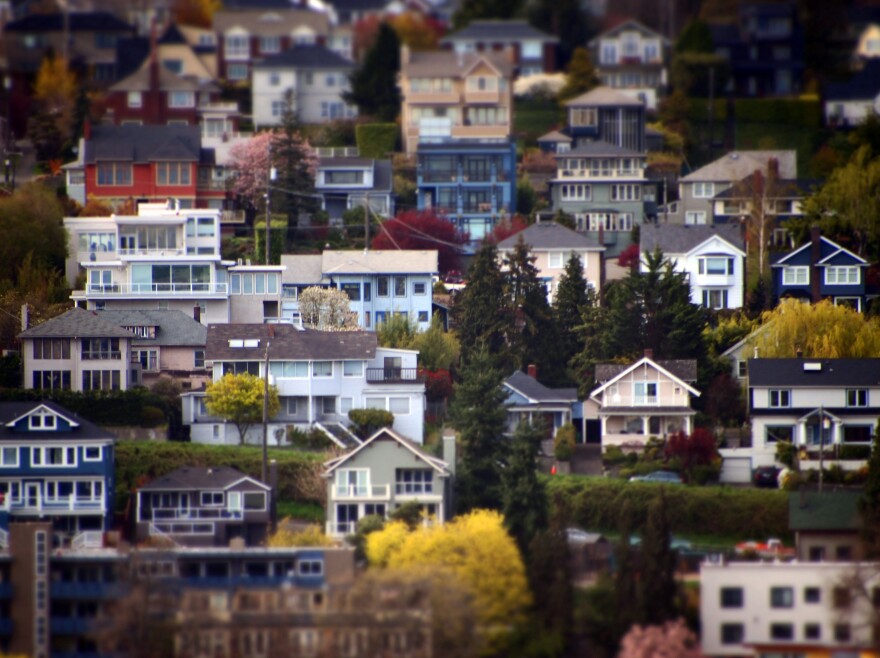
x,y
470,181
821,269
528,400
54,465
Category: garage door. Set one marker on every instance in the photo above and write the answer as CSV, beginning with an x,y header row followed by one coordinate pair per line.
x,y
736,470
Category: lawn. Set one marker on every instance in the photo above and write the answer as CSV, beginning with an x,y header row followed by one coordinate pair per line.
x,y
300,511
533,118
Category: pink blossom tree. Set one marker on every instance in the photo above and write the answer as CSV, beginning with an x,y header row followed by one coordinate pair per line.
x,y
671,640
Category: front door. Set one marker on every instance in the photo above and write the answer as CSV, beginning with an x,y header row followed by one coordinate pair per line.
x,y
346,519
32,494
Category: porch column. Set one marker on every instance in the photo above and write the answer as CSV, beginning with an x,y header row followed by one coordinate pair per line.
x,y
603,423
687,425
801,438
646,425
836,434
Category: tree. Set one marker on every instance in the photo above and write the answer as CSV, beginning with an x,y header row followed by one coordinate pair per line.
x,y
478,413
397,331
423,230
626,593
507,227
474,550
472,10
438,349
55,94
296,163
327,309
373,85
698,449
550,579
286,535
590,336
759,194
564,18
417,31
580,75
670,640
32,224
239,399
570,301
657,601
821,331
524,496
195,12
696,37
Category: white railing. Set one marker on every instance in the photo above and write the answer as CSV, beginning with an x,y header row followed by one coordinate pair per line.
x,y
163,251
88,539
335,529
198,514
642,400
376,492
181,528
156,289
337,152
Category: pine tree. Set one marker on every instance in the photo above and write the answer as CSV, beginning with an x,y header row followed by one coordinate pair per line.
x,y
374,84
477,412
550,578
524,496
564,18
625,587
296,165
570,301
657,600
589,335
580,76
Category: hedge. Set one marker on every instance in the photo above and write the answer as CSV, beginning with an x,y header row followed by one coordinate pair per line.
x,y
100,407
376,140
596,503
299,474
805,113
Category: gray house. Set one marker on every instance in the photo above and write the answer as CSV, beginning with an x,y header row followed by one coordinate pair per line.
x,y
383,473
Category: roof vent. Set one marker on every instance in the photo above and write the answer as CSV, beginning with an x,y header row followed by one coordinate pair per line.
x,y
812,367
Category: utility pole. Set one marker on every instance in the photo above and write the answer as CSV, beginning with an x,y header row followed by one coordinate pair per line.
x,y
265,460
366,222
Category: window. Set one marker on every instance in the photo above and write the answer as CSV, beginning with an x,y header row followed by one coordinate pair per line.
x,y
94,349
52,380
51,348
414,481
715,299
816,553
92,453
715,265
8,457
270,45
742,368
842,632
212,499
576,192
812,631
857,397
382,286
732,633
843,553
554,259
310,567
780,398
291,406
114,173
584,116
352,368
842,275
695,217
423,316
795,276
237,71
353,290
149,359
173,173
781,597
277,108
322,369
254,500
60,456
400,286
398,406
181,99
135,99
842,598
328,405
812,594
704,190
299,369
781,632
198,358
731,597
645,392
419,288
236,46
627,192
100,380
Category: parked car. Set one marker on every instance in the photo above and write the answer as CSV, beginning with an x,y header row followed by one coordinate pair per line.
x,y
668,477
766,476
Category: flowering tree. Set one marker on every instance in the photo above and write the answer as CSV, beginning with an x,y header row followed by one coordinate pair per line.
x,y
422,229
239,399
327,309
507,227
671,640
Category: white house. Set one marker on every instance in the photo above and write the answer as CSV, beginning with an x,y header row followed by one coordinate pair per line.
x,y
320,377
849,103
346,183
713,257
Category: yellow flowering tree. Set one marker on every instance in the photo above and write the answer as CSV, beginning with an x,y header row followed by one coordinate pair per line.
x,y
239,399
312,535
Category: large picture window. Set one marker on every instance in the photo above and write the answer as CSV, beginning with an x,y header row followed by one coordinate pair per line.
x,y
114,173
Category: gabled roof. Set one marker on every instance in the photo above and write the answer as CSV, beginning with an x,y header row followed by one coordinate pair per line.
x,y
168,81
200,478
829,245
448,63
404,261
554,136
84,430
736,165
268,18
536,392
624,370
387,433
174,328
829,510
604,96
141,144
302,269
305,57
77,323
684,238
172,35
542,236
629,24
498,30
821,373
782,188
288,343
83,21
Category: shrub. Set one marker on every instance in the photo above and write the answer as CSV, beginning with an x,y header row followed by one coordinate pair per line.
x,y
564,443
855,452
152,417
785,453
368,421
312,535
376,140
313,439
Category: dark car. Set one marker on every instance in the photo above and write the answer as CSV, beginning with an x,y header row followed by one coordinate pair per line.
x,y
766,476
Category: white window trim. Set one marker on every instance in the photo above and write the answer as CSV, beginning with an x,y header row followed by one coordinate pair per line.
x,y
842,269
349,376
790,276
779,391
100,456
202,502
4,464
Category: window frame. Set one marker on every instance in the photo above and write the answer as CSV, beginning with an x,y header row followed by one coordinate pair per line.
x,y
782,398
798,275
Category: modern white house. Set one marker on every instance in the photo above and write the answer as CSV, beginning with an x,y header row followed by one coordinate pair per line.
x,y
712,257
320,377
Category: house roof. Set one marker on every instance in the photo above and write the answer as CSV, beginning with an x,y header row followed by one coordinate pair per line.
x,y
736,165
535,391
601,149
383,176
200,478
174,328
550,236
277,19
828,247
84,429
288,343
782,188
629,24
600,96
404,261
829,510
683,238
832,373
143,143
683,369
864,85
498,30
84,21
554,136
655,364
302,269
305,57
168,81
446,62
77,323
437,464
172,35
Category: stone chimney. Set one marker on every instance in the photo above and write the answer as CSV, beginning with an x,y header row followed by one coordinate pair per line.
x,y
815,257
649,353
773,169
532,370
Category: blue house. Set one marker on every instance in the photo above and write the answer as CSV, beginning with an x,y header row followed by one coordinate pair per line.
x,y
821,269
528,400
470,181
54,465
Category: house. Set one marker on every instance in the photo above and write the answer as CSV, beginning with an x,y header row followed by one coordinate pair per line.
x,y
57,467
316,79
204,506
534,51
607,115
383,473
827,525
644,399
634,59
320,377
348,183
471,182
849,103
552,245
698,189
821,269
796,608
455,95
77,351
528,400
712,257
821,406
379,284
167,258
764,49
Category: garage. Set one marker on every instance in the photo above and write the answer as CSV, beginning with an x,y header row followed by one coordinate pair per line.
x,y
736,470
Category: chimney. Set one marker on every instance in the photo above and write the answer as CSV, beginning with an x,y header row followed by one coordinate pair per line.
x,y
773,169
87,133
815,257
649,353
24,317
449,449
532,370
197,313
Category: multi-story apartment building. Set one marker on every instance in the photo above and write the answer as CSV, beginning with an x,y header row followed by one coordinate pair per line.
x,y
455,95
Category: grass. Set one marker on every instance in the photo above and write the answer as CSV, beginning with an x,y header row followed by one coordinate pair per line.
x,y
300,511
531,119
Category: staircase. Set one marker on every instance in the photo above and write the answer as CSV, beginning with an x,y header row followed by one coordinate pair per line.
x,y
339,434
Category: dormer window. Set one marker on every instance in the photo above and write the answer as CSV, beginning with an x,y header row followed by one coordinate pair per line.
x,y
42,420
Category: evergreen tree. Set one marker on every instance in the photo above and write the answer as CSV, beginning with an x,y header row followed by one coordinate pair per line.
x,y
696,37
571,299
477,412
550,578
657,600
481,317
625,587
524,496
589,335
373,85
296,166
580,75
869,504
472,10
564,18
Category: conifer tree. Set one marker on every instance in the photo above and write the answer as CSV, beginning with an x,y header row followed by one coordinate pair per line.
x,y
472,10
580,75
296,165
373,85
625,588
570,301
657,600
524,495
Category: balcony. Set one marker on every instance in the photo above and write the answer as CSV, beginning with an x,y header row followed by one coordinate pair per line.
x,y
198,514
152,253
155,289
394,376
212,185
361,492
40,505
83,591
646,401
101,355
